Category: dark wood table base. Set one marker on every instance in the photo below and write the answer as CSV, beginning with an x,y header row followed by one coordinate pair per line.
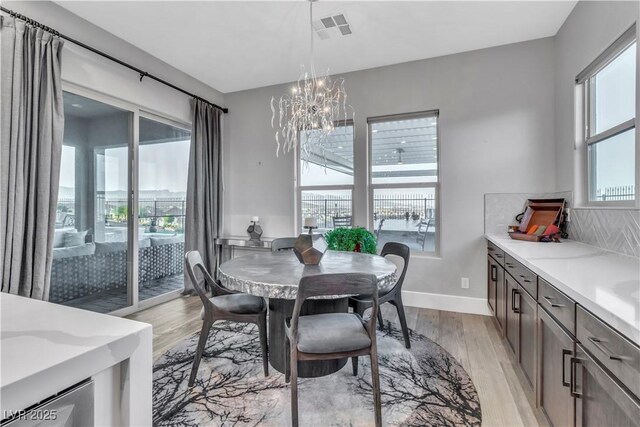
x,y
281,309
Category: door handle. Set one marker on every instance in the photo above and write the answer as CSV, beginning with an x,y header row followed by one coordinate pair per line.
x,y
553,304
494,273
564,375
599,344
573,389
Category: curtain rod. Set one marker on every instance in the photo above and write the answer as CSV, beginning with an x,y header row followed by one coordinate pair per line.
x,y
141,72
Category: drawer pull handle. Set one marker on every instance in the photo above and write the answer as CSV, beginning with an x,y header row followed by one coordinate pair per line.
x,y
527,281
510,266
494,273
573,389
553,304
515,309
564,375
599,344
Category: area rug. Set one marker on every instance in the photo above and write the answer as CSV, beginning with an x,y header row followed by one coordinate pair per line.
x,y
423,386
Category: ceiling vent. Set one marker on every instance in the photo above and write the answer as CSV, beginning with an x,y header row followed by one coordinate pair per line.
x,y
332,26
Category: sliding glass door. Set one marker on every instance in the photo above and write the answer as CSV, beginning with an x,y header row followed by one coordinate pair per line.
x,y
163,155
90,267
110,252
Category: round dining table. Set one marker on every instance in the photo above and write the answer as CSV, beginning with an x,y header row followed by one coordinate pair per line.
x,y
275,276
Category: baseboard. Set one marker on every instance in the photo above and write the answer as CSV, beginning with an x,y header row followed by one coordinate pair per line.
x,y
446,302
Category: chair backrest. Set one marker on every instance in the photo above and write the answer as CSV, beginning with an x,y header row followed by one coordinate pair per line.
x,y
283,244
337,284
401,250
201,279
341,221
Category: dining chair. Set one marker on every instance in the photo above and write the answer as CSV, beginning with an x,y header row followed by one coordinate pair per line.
x,y
330,336
394,295
283,244
224,305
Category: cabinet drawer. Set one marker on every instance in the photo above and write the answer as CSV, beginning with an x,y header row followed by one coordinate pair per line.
x,y
557,304
525,277
615,352
496,253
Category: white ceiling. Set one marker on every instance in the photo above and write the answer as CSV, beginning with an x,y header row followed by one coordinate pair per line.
x,y
236,45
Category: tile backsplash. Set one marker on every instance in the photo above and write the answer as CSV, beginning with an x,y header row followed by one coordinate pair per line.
x,y
616,230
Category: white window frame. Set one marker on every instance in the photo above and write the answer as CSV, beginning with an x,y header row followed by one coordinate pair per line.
x,y
434,185
586,118
300,188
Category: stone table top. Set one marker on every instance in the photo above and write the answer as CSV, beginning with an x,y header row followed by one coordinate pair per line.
x,y
277,274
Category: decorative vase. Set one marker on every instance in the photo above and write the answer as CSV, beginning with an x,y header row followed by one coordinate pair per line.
x,y
310,248
255,231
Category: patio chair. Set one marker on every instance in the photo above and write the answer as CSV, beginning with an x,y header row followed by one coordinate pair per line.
x,y
330,336
283,244
393,296
379,227
422,232
342,221
224,305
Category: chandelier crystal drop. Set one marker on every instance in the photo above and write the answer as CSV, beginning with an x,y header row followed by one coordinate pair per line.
x,y
310,112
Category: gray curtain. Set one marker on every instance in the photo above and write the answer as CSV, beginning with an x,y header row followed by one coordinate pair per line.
x,y
203,220
32,122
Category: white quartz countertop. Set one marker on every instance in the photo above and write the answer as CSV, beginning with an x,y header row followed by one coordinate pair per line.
x,y
46,347
605,283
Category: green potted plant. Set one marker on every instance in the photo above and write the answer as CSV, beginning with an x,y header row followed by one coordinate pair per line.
x,y
351,240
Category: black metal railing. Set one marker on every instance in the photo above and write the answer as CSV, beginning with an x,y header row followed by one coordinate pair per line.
x,y
394,206
163,214
624,192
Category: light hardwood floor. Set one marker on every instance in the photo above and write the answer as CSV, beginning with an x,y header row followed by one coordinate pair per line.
x,y
472,339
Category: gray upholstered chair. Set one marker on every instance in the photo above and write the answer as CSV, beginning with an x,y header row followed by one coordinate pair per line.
x,y
283,244
333,335
394,295
224,305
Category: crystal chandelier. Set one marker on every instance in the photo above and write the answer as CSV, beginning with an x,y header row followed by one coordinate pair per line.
x,y
310,112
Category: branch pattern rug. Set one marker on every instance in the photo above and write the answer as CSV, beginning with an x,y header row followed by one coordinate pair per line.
x,y
423,386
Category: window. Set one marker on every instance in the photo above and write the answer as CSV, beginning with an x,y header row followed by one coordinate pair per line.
x,y
326,180
609,93
404,180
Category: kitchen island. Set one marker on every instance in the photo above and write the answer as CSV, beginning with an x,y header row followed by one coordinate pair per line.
x,y
47,348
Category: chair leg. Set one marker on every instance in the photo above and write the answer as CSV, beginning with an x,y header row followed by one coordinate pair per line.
x,y
287,361
294,387
204,334
375,381
403,321
380,320
262,328
354,363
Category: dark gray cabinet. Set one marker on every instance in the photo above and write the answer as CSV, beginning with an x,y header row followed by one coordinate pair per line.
x,y
527,342
512,329
555,349
600,399
492,278
583,372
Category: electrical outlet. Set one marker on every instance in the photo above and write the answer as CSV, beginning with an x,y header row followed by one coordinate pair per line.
x,y
465,283
567,212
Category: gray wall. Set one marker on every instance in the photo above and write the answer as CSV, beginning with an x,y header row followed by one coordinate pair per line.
x,y
497,135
